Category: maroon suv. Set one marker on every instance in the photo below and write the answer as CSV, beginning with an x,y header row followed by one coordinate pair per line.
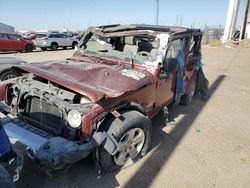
x,y
14,42
102,99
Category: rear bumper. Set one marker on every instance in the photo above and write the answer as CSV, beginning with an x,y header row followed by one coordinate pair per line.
x,y
42,44
52,152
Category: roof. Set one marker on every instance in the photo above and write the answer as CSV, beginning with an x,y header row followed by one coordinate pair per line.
x,y
136,29
158,28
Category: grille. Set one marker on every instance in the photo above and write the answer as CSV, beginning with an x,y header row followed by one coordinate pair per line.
x,y
45,115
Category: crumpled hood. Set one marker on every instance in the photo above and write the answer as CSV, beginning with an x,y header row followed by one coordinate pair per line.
x,y
95,81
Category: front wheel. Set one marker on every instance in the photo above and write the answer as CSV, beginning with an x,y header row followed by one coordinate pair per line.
x,y
8,75
132,132
28,48
43,48
54,46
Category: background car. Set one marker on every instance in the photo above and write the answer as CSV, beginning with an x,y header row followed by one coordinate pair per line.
x,y
55,40
29,36
14,42
6,72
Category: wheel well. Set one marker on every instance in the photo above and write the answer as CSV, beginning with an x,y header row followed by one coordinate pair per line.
x,y
5,70
74,43
129,107
28,45
9,70
53,43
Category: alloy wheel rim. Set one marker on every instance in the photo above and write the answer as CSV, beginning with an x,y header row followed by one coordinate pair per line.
x,y
130,145
10,76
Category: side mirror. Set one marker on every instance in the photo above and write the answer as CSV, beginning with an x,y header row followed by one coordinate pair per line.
x,y
170,64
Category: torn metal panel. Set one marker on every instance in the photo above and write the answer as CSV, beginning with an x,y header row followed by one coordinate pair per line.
x,y
51,152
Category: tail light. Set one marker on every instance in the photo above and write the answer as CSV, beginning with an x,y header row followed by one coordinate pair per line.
x,y
45,39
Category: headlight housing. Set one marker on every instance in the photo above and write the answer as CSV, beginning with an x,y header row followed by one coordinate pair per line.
x,y
74,119
85,100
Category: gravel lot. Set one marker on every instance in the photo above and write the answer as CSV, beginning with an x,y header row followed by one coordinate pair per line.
x,y
205,144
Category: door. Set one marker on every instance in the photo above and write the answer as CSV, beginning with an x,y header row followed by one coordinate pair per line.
x,y
15,43
57,38
165,90
192,59
4,42
66,40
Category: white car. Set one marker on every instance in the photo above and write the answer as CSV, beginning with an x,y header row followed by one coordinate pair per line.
x,y
55,40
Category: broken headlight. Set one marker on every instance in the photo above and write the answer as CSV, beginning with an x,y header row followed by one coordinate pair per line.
x,y
74,119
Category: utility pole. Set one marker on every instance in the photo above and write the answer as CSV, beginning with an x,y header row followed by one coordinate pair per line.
x,y
243,30
232,14
70,14
157,12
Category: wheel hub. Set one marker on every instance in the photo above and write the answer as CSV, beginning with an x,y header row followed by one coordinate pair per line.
x,y
130,145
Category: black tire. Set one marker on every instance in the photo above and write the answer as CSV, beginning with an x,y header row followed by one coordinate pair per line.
x,y
28,48
120,127
74,44
187,98
9,75
54,46
43,48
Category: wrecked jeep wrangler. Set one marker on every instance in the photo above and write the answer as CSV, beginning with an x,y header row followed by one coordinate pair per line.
x,y
101,99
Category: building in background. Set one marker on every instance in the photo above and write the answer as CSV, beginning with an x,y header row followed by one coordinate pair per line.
x,y
6,28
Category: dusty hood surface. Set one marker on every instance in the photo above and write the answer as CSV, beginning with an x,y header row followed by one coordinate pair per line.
x,y
96,81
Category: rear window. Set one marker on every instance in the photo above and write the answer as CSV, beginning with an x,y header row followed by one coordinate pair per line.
x,y
40,35
55,36
13,37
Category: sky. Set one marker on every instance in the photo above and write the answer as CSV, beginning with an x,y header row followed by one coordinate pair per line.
x,y
80,14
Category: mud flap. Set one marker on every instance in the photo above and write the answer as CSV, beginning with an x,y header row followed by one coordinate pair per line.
x,y
108,141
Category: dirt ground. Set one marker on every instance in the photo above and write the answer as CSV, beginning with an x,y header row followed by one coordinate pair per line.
x,y
205,144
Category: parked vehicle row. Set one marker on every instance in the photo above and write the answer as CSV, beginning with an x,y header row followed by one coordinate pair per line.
x,y
14,42
54,41
51,40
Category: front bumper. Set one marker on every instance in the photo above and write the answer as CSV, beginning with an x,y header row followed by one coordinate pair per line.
x,y
51,152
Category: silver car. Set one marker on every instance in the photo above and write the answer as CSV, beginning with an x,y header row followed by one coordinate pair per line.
x,y
55,40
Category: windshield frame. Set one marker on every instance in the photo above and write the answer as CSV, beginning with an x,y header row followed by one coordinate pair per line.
x,y
101,36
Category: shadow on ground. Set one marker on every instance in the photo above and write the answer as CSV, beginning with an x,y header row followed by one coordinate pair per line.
x,y
84,174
